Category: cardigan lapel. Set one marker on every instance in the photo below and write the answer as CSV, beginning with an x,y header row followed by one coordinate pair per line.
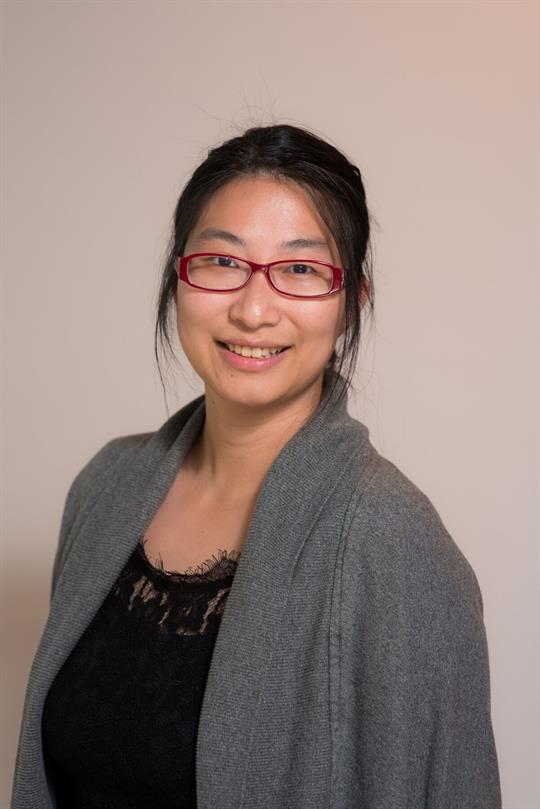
x,y
131,495
298,485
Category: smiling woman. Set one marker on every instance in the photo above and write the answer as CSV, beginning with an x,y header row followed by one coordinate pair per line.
x,y
261,216
251,607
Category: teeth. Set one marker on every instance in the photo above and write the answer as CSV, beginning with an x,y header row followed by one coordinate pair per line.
x,y
244,351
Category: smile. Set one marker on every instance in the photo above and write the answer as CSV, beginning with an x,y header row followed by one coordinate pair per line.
x,y
258,353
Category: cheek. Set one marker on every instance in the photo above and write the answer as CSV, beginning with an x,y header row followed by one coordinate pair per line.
x,y
196,315
186,319
188,309
323,323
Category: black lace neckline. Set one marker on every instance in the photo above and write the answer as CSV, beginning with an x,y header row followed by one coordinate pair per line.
x,y
169,601
218,567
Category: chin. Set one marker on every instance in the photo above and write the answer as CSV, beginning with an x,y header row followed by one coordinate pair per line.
x,y
252,395
258,392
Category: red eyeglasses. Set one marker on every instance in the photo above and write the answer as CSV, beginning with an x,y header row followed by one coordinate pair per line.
x,y
297,278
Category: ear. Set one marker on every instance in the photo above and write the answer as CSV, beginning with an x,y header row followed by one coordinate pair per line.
x,y
362,299
364,293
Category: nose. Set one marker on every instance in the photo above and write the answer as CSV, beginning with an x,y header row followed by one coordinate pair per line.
x,y
256,304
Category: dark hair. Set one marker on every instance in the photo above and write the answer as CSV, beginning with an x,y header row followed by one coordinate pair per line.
x,y
333,183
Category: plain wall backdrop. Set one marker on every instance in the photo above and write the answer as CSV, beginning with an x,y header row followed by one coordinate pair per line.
x,y
108,106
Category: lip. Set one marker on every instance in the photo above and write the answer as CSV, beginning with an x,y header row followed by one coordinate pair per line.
x,y
259,344
250,363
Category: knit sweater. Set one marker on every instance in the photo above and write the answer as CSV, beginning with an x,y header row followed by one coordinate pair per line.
x,y
350,670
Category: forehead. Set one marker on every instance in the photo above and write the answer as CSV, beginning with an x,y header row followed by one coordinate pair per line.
x,y
262,207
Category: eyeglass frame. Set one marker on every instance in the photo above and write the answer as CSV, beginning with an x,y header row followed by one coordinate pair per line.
x,y
338,281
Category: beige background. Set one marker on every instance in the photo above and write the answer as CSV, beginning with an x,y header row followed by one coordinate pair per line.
x,y
107,106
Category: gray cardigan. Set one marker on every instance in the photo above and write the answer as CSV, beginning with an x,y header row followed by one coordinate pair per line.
x,y
350,670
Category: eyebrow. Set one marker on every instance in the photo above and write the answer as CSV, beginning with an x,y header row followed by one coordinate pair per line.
x,y
231,238
223,235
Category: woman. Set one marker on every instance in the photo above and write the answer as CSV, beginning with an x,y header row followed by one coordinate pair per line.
x,y
350,668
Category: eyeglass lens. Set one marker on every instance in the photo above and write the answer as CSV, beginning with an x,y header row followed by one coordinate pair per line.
x,y
294,277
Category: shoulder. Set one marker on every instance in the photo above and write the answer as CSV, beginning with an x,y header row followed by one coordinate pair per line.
x,y
116,454
413,651
106,458
410,602
397,540
86,488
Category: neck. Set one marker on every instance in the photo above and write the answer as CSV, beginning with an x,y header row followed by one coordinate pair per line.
x,y
239,443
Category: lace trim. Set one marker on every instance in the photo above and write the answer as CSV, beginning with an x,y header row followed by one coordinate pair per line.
x,y
216,567
174,602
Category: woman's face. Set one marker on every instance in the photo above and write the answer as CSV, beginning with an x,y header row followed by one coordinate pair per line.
x,y
260,219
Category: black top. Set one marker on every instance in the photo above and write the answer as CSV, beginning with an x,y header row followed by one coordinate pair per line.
x,y
120,719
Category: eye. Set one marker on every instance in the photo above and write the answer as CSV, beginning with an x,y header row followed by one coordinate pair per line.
x,y
225,261
301,269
